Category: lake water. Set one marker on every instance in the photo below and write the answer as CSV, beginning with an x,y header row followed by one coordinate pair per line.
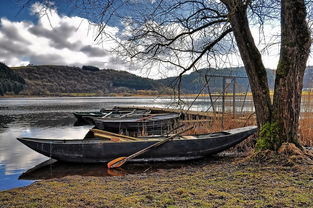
x,y
53,118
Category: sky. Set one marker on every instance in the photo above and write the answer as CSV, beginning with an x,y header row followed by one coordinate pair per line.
x,y
27,36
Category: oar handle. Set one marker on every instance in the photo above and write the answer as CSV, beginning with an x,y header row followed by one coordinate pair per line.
x,y
157,144
118,162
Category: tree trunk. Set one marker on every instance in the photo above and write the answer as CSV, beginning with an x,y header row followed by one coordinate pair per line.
x,y
294,52
252,60
278,122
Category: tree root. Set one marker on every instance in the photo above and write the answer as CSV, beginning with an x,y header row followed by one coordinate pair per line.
x,y
289,149
287,155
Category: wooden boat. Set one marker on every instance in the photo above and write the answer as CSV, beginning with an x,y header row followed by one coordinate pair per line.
x,y
105,112
80,115
84,118
95,150
139,123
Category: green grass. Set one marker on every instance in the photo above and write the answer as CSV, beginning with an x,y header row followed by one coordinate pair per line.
x,y
219,184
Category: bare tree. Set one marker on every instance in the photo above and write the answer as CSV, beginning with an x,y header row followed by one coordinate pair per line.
x,y
278,120
187,34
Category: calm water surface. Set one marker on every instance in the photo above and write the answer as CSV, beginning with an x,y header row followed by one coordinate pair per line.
x,y
49,118
44,118
53,118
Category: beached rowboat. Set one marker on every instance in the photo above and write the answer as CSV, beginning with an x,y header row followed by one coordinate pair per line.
x,y
94,150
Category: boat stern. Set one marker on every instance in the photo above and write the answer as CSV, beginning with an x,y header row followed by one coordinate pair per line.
x,y
39,145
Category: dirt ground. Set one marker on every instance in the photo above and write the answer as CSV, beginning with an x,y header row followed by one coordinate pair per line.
x,y
224,181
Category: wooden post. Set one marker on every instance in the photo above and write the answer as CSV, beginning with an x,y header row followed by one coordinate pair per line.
x,y
211,99
234,97
223,101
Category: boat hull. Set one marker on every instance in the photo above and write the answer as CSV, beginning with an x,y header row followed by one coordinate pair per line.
x,y
95,150
137,124
84,118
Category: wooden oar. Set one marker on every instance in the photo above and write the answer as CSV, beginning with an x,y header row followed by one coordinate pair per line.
x,y
98,131
110,137
118,162
106,115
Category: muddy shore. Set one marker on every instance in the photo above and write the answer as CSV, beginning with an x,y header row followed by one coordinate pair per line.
x,y
223,182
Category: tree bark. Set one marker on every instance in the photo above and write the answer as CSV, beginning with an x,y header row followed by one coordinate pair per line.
x,y
251,58
279,121
294,52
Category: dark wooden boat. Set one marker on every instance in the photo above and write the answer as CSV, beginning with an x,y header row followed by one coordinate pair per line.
x,y
94,150
84,118
139,123
80,115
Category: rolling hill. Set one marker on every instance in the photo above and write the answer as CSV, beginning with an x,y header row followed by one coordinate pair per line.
x,y
51,80
65,80
195,81
10,82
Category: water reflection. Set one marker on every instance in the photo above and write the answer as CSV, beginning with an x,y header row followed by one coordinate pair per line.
x,y
53,169
15,157
45,118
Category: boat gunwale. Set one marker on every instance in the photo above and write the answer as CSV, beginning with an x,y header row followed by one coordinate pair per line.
x,y
134,119
142,139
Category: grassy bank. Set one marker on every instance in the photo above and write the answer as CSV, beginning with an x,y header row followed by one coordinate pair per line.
x,y
222,182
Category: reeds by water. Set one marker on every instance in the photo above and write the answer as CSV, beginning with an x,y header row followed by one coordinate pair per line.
x,y
230,122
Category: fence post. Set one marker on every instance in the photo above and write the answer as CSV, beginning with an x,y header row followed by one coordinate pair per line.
x,y
223,101
234,97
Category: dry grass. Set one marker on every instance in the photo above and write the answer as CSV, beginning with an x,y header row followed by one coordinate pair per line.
x,y
306,131
220,124
306,121
305,127
222,182
228,122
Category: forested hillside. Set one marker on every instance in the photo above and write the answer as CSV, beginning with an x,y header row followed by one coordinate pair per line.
x,y
50,80
10,82
195,81
63,80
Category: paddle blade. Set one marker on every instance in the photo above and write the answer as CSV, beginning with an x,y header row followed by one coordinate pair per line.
x,y
118,162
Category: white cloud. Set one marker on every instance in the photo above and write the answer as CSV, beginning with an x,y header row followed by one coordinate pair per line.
x,y
54,39
64,40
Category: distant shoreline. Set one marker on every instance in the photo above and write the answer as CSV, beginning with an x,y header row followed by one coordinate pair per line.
x,y
121,95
